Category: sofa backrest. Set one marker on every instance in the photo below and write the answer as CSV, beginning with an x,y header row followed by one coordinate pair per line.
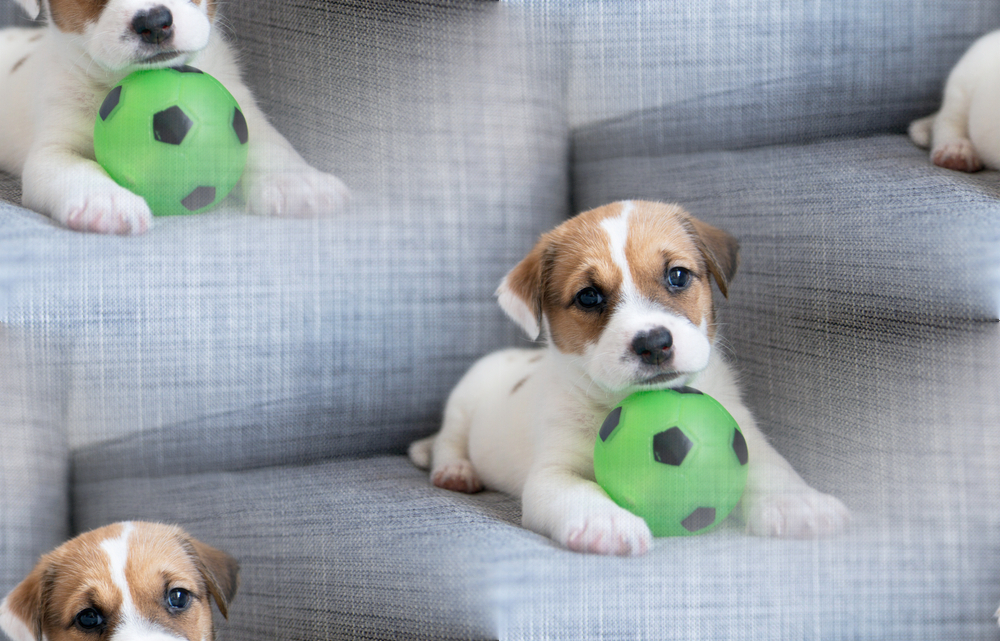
x,y
654,77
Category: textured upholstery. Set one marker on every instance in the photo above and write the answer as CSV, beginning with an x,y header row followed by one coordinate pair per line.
x,y
255,380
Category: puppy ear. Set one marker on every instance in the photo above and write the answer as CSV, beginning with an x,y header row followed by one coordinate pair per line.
x,y
21,611
31,7
520,292
220,571
721,252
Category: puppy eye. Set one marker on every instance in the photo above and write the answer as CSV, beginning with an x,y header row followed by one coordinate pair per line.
x,y
678,278
89,619
178,599
589,298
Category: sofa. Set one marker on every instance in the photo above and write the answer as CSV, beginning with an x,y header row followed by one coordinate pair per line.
x,y
257,380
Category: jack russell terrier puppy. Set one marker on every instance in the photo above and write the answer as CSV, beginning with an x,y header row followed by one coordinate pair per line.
x,y
123,582
52,83
965,134
623,295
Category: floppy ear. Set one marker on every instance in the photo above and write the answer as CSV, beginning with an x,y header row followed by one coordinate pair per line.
x,y
520,292
21,611
31,7
721,251
220,571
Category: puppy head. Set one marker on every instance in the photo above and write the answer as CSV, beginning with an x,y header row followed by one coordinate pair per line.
x,y
122,582
125,35
625,290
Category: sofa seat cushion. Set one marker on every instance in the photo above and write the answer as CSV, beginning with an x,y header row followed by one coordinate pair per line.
x,y
367,548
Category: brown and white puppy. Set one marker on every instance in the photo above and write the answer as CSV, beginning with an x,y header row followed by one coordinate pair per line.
x,y
623,294
129,581
52,83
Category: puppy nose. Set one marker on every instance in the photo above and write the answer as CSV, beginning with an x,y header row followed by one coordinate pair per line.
x,y
655,346
154,25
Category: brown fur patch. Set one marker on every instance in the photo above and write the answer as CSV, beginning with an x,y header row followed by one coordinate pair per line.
x,y
17,65
73,16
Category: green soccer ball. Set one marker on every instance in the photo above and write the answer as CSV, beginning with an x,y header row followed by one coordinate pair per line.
x,y
676,458
176,137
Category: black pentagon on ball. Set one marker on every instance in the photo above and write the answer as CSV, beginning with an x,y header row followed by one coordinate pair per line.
x,y
240,126
610,423
740,447
670,447
110,102
200,197
700,519
171,125
688,390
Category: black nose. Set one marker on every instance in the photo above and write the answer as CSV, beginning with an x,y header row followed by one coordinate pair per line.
x,y
154,25
655,346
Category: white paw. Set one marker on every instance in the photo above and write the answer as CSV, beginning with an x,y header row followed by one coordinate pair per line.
x,y
298,192
457,476
114,211
616,532
959,155
798,513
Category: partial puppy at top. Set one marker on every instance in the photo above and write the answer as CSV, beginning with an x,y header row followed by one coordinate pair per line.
x,y
622,295
965,134
130,581
52,83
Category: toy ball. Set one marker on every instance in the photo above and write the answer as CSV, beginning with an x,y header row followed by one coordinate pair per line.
x,y
176,137
676,458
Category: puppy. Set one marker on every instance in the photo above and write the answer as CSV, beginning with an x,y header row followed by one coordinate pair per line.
x,y
965,134
623,295
126,581
52,83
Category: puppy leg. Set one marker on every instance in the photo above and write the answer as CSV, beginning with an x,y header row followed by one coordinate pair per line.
x,y
76,192
951,146
578,514
920,131
777,502
451,468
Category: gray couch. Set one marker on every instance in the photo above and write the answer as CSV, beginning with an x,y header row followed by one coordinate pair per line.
x,y
258,380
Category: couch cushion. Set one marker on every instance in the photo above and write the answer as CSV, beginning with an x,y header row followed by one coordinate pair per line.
x,y
368,549
224,341
657,76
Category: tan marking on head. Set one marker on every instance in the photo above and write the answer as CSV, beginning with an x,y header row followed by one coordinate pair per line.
x,y
17,65
73,16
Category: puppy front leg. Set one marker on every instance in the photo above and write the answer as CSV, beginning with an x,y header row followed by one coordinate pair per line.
x,y
577,513
76,192
277,181
777,501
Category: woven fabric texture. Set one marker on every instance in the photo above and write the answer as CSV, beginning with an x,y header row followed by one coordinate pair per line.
x,y
367,549
654,76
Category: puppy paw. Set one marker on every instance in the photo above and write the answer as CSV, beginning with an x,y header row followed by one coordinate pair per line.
x,y
798,514
617,533
302,192
457,476
959,155
116,211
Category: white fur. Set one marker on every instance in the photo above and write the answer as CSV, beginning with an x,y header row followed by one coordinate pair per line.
x,y
50,100
537,442
965,133
14,626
